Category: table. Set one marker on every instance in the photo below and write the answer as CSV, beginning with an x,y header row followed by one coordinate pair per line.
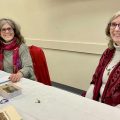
x,y
57,104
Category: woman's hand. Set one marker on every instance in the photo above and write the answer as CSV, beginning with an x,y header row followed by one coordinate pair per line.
x,y
16,77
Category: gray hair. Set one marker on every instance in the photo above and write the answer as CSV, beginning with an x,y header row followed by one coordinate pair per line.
x,y
16,28
107,30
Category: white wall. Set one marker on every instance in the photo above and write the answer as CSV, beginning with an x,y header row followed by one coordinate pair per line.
x,y
70,31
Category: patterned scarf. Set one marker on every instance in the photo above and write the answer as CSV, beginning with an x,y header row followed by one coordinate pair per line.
x,y
16,58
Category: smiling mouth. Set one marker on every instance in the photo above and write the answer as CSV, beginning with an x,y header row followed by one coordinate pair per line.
x,y
7,35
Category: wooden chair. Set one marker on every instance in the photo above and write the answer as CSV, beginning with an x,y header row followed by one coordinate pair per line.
x,y
40,65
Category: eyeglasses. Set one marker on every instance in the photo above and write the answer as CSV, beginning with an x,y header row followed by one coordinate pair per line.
x,y
9,29
114,25
3,101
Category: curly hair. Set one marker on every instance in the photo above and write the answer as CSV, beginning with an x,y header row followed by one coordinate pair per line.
x,y
16,28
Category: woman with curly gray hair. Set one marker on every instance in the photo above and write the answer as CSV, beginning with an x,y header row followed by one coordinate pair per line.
x,y
14,53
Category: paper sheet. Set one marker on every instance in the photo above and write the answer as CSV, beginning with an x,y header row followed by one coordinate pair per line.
x,y
4,77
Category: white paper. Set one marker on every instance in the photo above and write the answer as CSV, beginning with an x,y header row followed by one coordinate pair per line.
x,y
4,77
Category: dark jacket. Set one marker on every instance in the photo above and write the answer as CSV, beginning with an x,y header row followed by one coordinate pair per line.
x,y
111,93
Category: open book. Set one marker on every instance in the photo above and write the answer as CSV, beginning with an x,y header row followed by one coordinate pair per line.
x,y
9,113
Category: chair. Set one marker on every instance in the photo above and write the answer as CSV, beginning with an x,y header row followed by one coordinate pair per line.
x,y
40,65
83,93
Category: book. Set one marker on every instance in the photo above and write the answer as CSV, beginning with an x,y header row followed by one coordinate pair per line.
x,y
9,113
9,90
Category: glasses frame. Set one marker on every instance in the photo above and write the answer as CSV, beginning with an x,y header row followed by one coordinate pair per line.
x,y
3,101
114,25
9,29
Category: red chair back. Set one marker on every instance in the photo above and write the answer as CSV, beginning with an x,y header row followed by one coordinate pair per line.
x,y
40,65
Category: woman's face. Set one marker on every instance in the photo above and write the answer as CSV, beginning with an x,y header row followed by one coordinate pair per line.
x,y
7,32
115,30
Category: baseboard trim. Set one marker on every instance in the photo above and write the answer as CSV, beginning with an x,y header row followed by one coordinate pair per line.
x,y
67,88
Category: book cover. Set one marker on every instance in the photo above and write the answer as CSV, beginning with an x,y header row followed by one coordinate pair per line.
x,y
9,113
9,90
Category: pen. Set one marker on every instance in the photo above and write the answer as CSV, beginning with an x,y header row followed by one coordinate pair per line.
x,y
5,81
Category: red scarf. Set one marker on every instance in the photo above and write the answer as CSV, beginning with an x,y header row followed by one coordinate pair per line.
x,y
16,58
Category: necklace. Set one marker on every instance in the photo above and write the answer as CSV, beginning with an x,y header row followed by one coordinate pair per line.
x,y
109,69
114,60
